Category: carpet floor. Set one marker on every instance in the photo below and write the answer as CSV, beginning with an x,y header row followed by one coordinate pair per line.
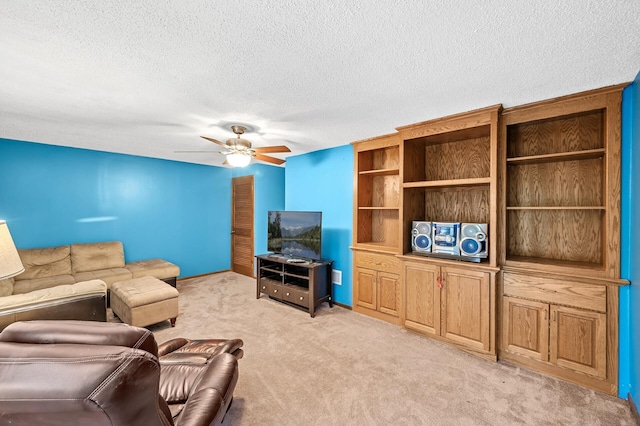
x,y
343,368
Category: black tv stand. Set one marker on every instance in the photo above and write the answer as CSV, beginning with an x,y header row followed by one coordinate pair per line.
x,y
304,285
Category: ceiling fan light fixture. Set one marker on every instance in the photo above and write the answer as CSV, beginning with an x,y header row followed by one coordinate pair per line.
x,y
238,160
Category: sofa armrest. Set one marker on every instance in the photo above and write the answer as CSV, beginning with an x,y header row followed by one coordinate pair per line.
x,y
158,268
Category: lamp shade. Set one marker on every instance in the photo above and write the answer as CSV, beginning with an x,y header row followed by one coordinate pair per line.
x,y
238,160
10,263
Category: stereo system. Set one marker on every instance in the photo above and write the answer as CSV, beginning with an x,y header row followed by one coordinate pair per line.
x,y
461,241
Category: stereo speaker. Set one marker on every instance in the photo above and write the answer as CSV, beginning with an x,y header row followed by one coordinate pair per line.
x,y
474,241
421,236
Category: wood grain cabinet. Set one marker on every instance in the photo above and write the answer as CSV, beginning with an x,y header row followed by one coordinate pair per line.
x,y
377,286
561,327
450,303
563,336
560,244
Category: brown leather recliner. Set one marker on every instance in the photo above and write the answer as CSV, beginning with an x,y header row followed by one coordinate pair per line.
x,y
77,372
185,350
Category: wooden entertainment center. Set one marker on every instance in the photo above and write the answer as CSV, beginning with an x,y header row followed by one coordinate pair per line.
x,y
545,177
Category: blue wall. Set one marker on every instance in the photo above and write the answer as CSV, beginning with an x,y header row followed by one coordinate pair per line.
x,y
268,190
323,181
630,248
53,195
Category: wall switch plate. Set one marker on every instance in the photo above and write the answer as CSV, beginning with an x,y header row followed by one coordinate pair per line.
x,y
336,277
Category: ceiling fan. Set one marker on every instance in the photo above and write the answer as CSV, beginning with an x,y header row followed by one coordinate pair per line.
x,y
239,152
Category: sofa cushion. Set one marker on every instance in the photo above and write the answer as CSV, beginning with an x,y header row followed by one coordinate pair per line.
x,y
25,286
6,287
97,256
44,262
48,295
109,276
157,268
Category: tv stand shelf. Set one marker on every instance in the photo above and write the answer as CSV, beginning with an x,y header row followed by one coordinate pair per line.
x,y
302,285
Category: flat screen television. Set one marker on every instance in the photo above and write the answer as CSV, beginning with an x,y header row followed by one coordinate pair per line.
x,y
295,234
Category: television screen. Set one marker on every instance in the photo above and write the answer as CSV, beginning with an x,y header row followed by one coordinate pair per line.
x,y
296,234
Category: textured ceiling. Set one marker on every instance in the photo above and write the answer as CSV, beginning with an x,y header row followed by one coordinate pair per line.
x,y
148,77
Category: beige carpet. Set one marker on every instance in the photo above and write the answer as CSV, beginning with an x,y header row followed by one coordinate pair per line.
x,y
343,368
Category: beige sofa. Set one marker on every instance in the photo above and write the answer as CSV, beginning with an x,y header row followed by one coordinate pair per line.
x,y
72,281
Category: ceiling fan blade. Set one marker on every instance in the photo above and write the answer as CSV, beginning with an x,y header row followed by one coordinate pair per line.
x,y
269,159
267,149
182,152
214,141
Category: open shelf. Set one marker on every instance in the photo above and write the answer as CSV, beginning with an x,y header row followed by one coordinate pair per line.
x,y
378,226
561,156
449,173
378,246
379,191
385,160
526,261
569,133
558,208
381,172
453,156
378,208
448,183
572,236
556,184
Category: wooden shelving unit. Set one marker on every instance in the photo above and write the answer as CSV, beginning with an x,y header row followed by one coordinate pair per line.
x,y
545,177
561,236
376,227
450,174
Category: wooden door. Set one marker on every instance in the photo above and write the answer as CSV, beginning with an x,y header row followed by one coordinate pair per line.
x,y
366,288
525,328
465,307
242,226
422,298
388,293
578,340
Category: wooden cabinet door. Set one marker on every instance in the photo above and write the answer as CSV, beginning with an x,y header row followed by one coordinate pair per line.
x,y
465,301
579,340
388,293
366,290
525,328
422,298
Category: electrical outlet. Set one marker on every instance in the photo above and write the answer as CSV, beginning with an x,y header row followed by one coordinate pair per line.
x,y
336,277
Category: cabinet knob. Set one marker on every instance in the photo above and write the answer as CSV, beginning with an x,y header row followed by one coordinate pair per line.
x,y
301,298
264,287
275,291
287,294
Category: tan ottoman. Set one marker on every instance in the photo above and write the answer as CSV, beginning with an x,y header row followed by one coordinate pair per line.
x,y
144,301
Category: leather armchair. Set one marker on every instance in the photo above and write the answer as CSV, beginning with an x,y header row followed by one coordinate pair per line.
x,y
77,372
